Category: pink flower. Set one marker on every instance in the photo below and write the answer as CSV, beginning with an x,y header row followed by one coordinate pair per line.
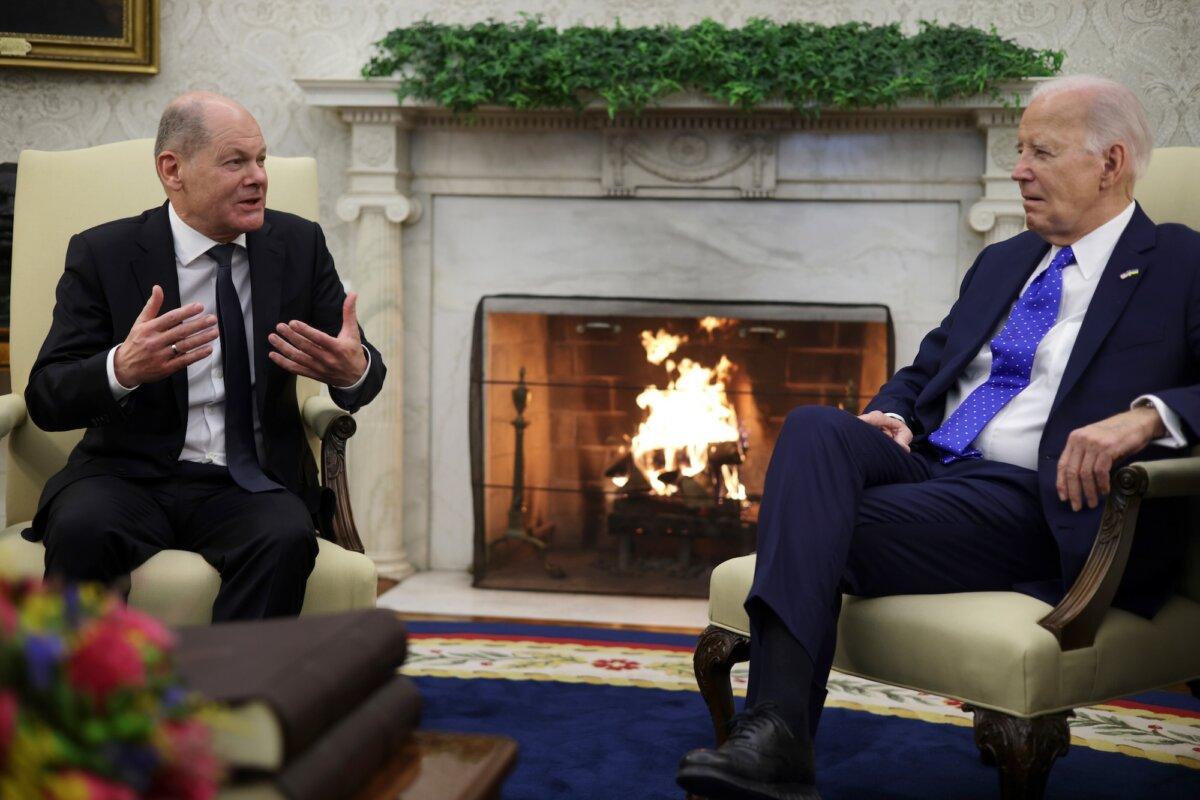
x,y
105,661
8,617
192,771
100,789
615,664
144,625
8,723
75,783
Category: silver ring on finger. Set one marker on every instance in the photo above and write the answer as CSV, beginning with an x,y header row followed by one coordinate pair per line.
x,y
175,350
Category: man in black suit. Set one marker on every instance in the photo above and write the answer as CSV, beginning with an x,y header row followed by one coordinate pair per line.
x,y
175,341
1073,347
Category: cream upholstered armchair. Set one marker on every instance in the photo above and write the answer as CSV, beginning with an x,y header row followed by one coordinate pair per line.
x,y
58,195
1017,663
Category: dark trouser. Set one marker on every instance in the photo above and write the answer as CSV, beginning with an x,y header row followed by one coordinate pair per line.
x,y
846,510
262,544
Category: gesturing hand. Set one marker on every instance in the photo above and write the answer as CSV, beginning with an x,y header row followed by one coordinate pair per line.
x,y
893,427
1091,451
158,346
303,350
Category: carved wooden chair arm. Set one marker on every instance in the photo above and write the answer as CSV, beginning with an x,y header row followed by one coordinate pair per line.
x,y
333,426
12,413
1077,617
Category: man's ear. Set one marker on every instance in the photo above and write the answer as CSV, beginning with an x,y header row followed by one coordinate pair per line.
x,y
168,163
1116,165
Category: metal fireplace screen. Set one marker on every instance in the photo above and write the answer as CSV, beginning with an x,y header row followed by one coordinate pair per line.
x,y
620,445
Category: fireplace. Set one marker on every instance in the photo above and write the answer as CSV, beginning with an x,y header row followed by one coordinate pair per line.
x,y
620,445
877,205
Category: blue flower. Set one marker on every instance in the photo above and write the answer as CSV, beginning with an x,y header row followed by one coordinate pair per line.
x,y
136,766
131,764
173,697
42,654
71,604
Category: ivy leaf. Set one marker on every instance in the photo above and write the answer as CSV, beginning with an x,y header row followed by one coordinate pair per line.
x,y
527,64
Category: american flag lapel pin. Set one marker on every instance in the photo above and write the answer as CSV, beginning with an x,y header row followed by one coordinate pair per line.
x,y
1130,273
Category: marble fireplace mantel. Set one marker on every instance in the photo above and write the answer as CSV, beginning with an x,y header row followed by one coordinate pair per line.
x,y
445,208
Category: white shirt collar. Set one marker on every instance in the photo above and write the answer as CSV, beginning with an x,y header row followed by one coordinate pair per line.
x,y
190,243
1093,251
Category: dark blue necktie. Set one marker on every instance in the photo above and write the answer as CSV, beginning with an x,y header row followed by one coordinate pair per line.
x,y
1012,362
240,454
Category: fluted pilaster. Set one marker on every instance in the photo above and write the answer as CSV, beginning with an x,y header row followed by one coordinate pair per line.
x,y
999,214
377,209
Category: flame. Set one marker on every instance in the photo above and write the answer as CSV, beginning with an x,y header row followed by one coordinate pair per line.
x,y
711,324
683,419
660,345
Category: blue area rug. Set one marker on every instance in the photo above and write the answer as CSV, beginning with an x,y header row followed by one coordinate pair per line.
x,y
591,723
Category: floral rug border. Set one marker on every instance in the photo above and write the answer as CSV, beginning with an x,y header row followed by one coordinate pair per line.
x,y
1147,733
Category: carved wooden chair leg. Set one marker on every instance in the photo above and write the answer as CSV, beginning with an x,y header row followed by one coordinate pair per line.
x,y
717,650
1023,749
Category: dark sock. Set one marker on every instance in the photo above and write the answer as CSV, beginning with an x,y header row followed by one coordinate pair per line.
x,y
780,671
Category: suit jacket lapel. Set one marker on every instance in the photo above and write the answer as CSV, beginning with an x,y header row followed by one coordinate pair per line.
x,y
156,265
973,329
266,286
1112,294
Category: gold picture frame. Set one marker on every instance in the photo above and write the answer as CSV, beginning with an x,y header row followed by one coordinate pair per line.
x,y
102,35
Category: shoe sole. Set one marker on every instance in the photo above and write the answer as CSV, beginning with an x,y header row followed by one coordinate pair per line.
x,y
716,785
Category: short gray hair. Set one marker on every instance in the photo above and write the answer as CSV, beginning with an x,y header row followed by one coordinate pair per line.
x,y
181,128
1114,115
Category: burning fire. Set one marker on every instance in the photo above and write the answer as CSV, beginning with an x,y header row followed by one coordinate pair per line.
x,y
712,324
660,345
683,419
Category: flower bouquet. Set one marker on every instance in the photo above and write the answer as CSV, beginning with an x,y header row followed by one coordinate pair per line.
x,y
89,708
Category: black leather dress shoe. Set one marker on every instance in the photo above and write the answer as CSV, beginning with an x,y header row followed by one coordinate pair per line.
x,y
761,760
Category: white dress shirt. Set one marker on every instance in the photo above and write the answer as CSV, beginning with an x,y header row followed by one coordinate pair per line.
x,y
204,438
1013,435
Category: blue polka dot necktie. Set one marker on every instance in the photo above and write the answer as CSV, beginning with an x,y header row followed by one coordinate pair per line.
x,y
240,454
1013,349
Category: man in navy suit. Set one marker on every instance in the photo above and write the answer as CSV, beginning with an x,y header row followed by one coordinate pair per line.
x,y
1072,348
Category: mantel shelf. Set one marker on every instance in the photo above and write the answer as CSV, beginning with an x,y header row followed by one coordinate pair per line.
x,y
351,95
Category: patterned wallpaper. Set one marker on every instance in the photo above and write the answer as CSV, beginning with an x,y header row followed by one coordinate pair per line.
x,y
251,50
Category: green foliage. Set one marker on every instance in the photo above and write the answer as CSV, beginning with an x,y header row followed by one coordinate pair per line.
x,y
528,65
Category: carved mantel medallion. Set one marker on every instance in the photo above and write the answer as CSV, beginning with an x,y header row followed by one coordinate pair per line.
x,y
637,163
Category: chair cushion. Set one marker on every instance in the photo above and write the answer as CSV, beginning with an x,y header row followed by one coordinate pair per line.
x,y
986,648
19,558
179,587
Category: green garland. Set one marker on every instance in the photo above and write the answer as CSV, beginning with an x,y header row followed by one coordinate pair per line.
x,y
529,65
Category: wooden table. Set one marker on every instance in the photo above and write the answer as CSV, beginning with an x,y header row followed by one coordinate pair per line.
x,y
445,766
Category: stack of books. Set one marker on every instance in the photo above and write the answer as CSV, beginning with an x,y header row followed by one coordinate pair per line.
x,y
315,705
